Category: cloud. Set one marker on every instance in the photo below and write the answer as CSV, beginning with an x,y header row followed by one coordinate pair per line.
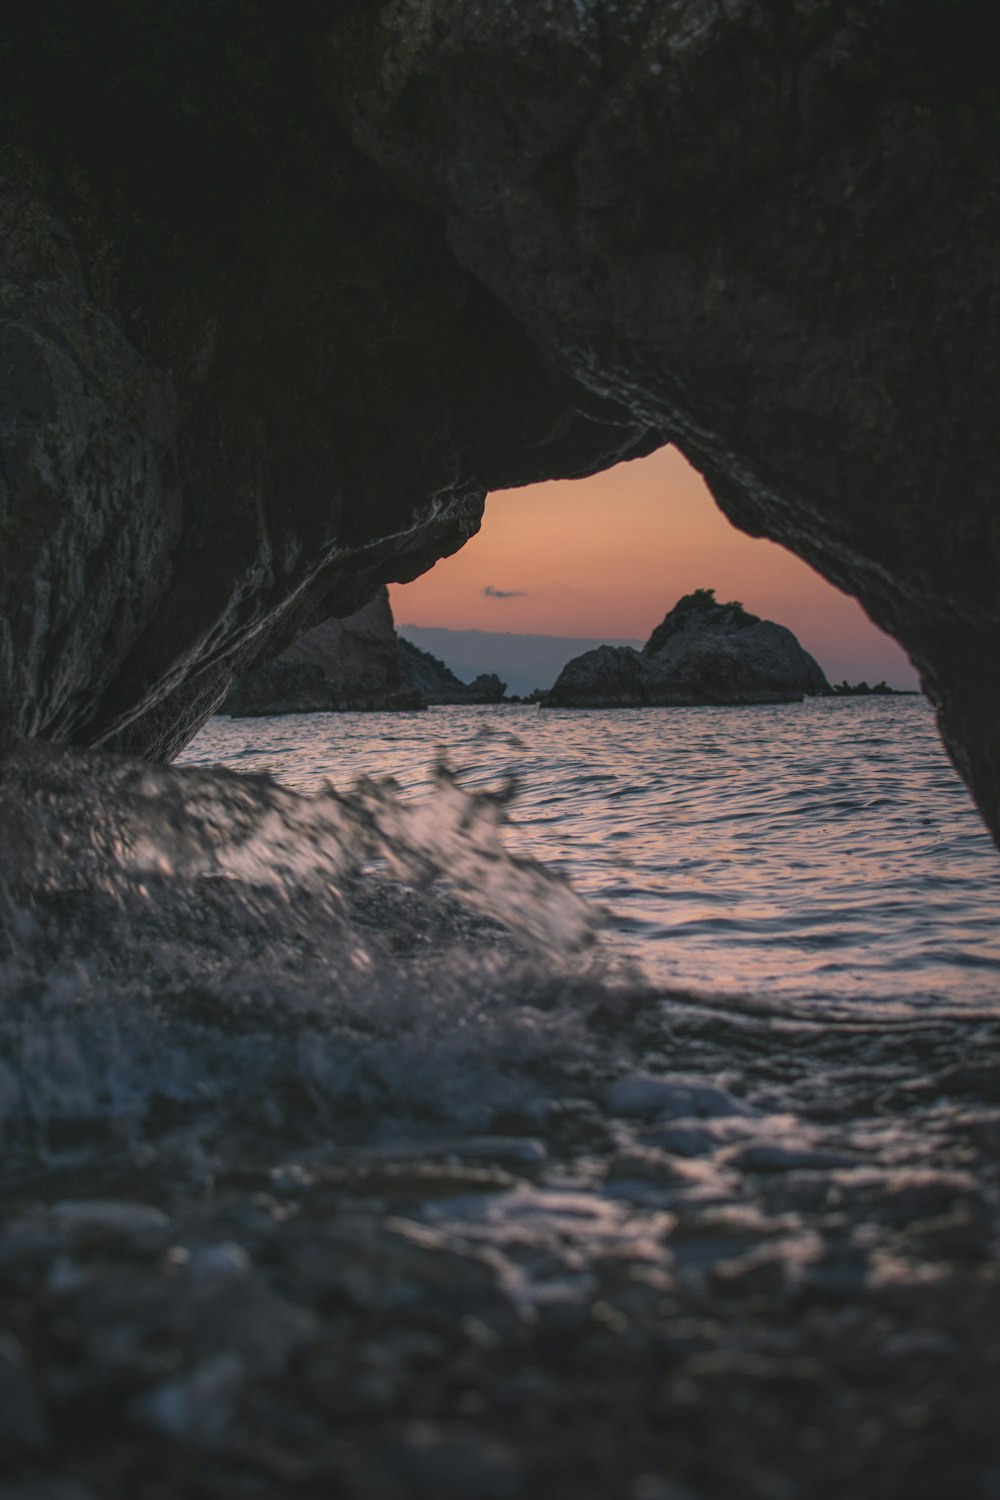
x,y
489,592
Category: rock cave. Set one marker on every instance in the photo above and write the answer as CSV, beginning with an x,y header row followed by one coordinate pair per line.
x,y
286,293
319,1182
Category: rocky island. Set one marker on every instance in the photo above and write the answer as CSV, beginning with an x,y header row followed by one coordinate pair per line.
x,y
356,664
703,652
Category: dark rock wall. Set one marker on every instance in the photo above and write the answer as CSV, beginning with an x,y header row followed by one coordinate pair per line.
x,y
769,230
286,290
243,380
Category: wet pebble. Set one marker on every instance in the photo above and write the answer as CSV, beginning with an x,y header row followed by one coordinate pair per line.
x,y
218,1262
136,1225
196,1407
646,1095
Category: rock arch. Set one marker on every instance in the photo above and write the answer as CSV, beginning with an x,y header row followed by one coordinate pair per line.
x,y
285,291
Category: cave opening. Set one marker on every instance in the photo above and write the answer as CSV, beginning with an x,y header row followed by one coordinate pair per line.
x,y
604,558
337,1161
738,847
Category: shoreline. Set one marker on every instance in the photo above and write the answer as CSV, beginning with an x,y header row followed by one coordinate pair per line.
x,y
735,1261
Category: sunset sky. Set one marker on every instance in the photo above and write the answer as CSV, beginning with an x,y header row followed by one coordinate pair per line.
x,y
608,556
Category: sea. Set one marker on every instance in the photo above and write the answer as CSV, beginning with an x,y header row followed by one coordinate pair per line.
x,y
418,916
822,851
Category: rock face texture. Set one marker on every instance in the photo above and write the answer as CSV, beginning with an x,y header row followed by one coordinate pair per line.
x,y
283,294
340,665
702,652
243,378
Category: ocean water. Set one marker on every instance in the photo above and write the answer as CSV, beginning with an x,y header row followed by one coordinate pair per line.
x,y
822,851
404,918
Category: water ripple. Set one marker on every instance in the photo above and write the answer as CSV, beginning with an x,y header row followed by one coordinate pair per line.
x,y
816,850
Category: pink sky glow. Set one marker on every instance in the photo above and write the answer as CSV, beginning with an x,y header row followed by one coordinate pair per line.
x,y
608,556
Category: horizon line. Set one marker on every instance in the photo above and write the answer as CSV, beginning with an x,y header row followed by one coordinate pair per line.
x,y
546,635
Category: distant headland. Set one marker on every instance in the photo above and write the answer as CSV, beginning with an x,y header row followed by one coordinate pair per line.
x,y
358,664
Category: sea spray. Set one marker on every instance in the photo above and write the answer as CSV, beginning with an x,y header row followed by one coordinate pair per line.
x,y
182,943
76,820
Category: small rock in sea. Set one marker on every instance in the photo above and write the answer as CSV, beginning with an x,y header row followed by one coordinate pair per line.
x,y
21,1422
671,1097
196,1407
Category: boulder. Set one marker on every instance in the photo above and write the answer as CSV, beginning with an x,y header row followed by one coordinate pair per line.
x,y
703,652
610,677
284,293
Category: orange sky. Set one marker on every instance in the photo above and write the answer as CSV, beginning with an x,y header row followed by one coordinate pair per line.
x,y
608,556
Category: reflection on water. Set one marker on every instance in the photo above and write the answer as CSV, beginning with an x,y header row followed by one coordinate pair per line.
x,y
825,848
